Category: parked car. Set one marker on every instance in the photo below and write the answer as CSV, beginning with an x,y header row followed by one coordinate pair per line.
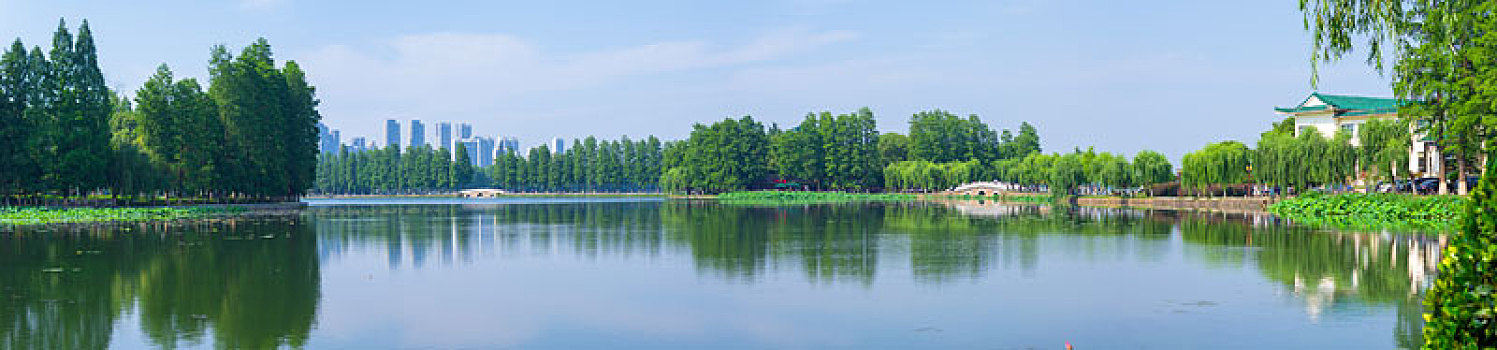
x,y
1427,185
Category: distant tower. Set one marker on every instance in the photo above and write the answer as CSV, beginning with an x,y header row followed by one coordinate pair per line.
x,y
327,139
336,142
392,133
558,145
510,145
418,133
471,146
464,131
359,144
444,135
485,151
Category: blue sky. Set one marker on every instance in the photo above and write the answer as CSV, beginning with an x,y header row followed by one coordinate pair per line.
x,y
1118,75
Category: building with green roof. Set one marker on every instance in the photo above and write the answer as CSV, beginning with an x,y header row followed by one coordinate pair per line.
x,y
1329,114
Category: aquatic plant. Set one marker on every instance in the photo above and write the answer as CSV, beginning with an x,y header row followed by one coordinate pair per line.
x,y
1372,211
805,196
50,215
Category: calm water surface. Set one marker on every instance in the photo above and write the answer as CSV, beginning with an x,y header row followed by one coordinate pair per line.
x,y
632,273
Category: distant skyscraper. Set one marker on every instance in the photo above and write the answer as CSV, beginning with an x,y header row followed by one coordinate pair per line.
x,y
444,135
392,133
558,145
485,151
471,146
327,139
464,131
418,133
510,145
359,144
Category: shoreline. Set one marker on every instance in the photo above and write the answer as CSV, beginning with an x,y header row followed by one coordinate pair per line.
x,y
515,195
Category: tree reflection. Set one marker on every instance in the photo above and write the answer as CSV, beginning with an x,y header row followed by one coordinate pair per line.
x,y
1325,268
249,283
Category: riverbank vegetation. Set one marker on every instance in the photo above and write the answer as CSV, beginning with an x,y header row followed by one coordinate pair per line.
x,y
51,215
1377,210
800,196
250,134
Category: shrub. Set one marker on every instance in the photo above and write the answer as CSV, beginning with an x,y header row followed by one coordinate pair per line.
x,y
1460,310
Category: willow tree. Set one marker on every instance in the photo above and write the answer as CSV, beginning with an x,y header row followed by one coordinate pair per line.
x,y
1384,147
1150,168
1220,163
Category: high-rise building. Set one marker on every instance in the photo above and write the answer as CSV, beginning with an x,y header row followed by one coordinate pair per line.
x,y
485,151
444,135
392,133
558,145
464,131
327,139
418,133
510,145
359,144
471,146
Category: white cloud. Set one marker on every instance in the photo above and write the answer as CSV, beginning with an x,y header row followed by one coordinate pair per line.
x,y
461,75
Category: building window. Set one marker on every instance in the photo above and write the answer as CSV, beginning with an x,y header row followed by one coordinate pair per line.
x,y
1350,129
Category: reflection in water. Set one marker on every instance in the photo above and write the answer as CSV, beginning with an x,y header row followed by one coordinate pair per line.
x,y
249,284
256,283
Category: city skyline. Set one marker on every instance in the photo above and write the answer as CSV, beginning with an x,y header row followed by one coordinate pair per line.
x,y
330,139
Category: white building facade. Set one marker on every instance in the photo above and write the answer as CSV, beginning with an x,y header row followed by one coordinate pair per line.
x,y
1330,114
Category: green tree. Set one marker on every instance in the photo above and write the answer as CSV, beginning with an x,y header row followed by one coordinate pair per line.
x,y
1458,308
893,147
1150,168
74,113
18,170
1385,147
725,156
1221,163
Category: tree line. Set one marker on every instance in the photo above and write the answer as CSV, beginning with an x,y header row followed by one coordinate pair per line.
x,y
388,171
250,135
591,165
845,153
1284,161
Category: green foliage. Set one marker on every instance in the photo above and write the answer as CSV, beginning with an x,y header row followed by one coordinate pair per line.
x,y
1372,211
830,152
590,165
744,197
269,116
1150,168
1220,163
729,155
44,215
1303,162
939,136
1385,147
1461,308
63,131
926,176
893,147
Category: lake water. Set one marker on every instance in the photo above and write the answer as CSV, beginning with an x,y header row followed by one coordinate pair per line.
x,y
641,273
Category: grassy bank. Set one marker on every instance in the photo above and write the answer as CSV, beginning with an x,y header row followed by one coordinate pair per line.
x,y
1372,211
45,215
